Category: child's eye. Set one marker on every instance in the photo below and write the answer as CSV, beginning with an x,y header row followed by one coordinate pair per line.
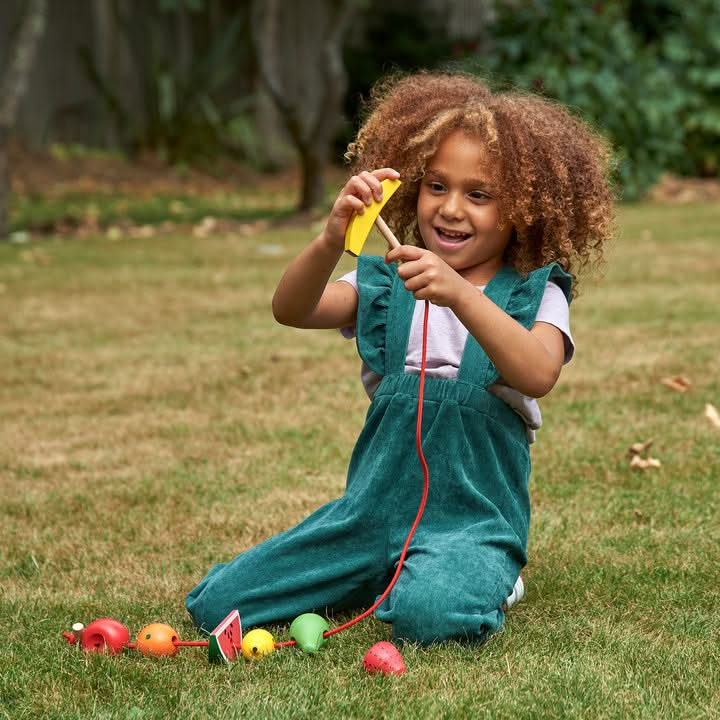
x,y
436,186
479,195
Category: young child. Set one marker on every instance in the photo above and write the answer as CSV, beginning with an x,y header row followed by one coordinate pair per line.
x,y
504,197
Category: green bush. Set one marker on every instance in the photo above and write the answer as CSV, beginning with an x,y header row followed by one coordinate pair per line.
x,y
646,73
691,49
588,57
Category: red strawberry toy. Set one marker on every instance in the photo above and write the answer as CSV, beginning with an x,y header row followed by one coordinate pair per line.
x,y
385,658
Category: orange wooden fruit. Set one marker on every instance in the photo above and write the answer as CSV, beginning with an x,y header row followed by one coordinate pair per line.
x,y
157,639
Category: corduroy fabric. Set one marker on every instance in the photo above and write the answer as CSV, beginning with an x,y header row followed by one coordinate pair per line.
x,y
471,543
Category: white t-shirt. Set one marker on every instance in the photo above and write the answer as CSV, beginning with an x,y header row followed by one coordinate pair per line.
x,y
446,342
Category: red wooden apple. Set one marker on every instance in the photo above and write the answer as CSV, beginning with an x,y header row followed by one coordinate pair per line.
x,y
385,658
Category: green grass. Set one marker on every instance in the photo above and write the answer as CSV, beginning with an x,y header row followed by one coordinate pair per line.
x,y
74,209
155,420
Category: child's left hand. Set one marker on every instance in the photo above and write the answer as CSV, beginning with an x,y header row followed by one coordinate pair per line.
x,y
426,276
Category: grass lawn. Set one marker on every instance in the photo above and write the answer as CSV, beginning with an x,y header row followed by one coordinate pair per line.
x,y
155,421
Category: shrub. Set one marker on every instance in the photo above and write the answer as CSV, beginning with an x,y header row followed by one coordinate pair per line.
x,y
588,57
690,47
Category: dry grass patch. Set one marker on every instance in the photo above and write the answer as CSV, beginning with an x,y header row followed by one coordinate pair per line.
x,y
157,421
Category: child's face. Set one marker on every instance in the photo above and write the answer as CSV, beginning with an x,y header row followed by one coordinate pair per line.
x,y
458,216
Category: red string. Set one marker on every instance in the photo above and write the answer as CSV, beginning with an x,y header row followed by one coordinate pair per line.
x,y
418,516
421,509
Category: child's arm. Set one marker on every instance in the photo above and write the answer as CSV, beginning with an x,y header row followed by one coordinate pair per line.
x,y
304,298
528,360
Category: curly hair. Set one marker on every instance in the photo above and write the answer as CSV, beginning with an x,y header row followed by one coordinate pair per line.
x,y
553,169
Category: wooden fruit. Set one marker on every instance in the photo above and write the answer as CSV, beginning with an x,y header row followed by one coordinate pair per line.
x,y
257,643
157,639
385,658
104,635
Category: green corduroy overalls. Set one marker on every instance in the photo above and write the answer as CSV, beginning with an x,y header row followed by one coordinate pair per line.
x,y
471,543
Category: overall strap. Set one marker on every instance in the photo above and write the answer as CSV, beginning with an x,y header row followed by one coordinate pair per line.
x,y
399,320
519,296
475,366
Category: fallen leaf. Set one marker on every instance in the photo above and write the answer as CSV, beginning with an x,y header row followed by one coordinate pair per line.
x,y
144,231
36,256
639,463
678,383
713,416
254,227
638,448
205,227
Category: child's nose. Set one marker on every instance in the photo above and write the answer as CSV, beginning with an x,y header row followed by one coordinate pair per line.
x,y
451,208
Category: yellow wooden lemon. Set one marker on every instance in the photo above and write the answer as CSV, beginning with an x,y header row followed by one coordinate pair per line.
x,y
257,643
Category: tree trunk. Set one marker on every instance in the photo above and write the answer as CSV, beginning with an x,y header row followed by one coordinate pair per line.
x,y
4,183
312,166
310,113
12,88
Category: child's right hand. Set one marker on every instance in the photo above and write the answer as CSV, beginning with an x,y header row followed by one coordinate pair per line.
x,y
358,193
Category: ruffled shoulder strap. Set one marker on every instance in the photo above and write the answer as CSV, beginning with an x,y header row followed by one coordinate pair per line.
x,y
520,297
525,300
375,285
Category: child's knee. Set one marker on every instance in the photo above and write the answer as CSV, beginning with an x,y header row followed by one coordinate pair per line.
x,y
418,617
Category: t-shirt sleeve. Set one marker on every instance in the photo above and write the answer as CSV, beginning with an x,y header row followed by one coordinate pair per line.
x,y
554,310
350,278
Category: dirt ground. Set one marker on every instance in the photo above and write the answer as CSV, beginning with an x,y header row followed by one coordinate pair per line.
x,y
684,190
48,173
55,173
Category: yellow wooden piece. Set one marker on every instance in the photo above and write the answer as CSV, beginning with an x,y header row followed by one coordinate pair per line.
x,y
257,643
360,225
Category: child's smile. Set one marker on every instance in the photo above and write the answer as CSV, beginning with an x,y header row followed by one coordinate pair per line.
x,y
458,217
451,238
